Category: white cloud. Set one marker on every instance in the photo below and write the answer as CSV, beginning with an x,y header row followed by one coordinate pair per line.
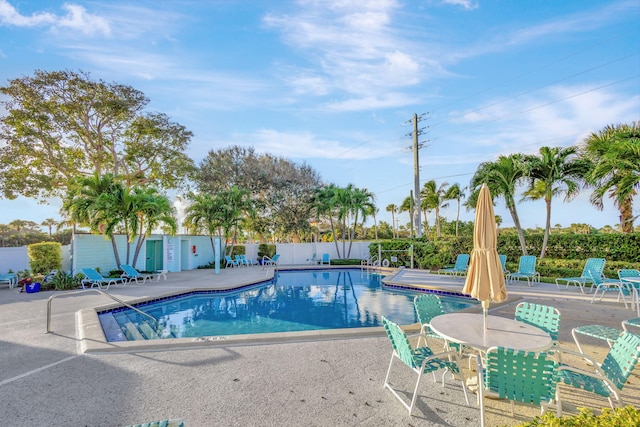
x,y
76,18
466,4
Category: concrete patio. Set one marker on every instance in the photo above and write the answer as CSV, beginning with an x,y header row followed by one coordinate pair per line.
x,y
316,381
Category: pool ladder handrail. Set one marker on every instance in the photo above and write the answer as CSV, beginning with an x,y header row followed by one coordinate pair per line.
x,y
118,300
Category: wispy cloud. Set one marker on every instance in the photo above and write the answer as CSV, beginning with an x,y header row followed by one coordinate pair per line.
x,y
465,4
354,50
75,18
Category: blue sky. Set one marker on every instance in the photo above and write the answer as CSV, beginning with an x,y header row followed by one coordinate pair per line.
x,y
333,83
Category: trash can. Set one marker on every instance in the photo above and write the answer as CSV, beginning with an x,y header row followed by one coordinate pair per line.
x,y
32,287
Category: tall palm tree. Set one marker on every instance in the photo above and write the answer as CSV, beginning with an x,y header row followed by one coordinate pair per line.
x,y
554,172
202,215
407,206
82,204
49,223
502,177
326,202
434,196
455,192
615,153
361,202
393,209
152,210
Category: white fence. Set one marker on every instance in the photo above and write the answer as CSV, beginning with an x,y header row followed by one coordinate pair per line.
x,y
178,253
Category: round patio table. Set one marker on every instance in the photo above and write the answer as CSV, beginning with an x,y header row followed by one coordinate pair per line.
x,y
468,329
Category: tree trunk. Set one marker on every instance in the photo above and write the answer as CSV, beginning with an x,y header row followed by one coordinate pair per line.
x,y
516,223
626,216
115,250
547,228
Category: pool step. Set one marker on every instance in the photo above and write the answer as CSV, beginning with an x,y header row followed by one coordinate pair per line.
x,y
135,327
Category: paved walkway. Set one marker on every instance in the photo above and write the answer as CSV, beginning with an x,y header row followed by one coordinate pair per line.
x,y
45,379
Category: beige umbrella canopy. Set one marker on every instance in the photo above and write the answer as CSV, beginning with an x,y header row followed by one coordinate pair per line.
x,y
485,280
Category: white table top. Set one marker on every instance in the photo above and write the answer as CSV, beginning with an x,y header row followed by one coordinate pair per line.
x,y
468,329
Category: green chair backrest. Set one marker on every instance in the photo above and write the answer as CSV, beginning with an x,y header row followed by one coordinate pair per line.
x,y
399,342
462,262
544,317
622,358
520,376
503,262
593,264
628,272
427,307
527,264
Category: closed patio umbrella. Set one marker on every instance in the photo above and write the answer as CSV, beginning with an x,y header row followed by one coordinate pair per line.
x,y
485,280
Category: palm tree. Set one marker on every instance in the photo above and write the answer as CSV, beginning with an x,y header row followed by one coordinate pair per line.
x,y
393,209
434,197
361,202
151,211
82,204
615,153
501,176
407,206
202,214
456,193
555,171
49,222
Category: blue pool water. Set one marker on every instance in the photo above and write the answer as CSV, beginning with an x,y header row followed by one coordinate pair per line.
x,y
299,300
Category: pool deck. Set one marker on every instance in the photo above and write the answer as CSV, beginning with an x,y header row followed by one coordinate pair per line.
x,y
66,378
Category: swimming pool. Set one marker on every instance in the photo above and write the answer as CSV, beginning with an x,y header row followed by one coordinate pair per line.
x,y
300,300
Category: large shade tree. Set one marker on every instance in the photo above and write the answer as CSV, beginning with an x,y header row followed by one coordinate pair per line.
x,y
281,191
615,153
63,124
555,171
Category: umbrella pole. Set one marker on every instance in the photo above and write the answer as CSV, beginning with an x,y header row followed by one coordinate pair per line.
x,y
485,311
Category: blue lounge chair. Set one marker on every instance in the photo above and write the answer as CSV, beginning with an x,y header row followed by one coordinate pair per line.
x,y
230,262
460,267
604,285
631,277
313,260
526,270
503,262
10,278
96,279
593,264
132,274
326,259
238,260
246,261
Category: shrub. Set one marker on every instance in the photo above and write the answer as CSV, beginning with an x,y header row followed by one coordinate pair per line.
x,y
62,281
45,257
620,417
266,249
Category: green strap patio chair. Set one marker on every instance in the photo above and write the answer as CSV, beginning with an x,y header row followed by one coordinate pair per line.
x,y
421,360
544,317
519,376
428,306
608,378
631,277
593,264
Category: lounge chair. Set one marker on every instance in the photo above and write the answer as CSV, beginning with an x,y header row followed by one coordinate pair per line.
x,y
326,259
604,285
609,377
313,260
503,263
132,274
516,375
270,261
593,264
10,278
96,279
421,360
239,261
246,261
230,262
526,270
459,268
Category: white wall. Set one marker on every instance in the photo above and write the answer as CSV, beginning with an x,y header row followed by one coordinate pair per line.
x,y
17,259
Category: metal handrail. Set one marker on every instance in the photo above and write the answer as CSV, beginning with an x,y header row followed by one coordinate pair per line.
x,y
155,321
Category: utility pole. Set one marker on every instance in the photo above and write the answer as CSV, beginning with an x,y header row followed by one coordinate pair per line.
x,y
417,145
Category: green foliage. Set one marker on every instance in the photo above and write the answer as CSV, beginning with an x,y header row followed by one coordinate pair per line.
x,y
45,257
63,281
266,249
618,417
